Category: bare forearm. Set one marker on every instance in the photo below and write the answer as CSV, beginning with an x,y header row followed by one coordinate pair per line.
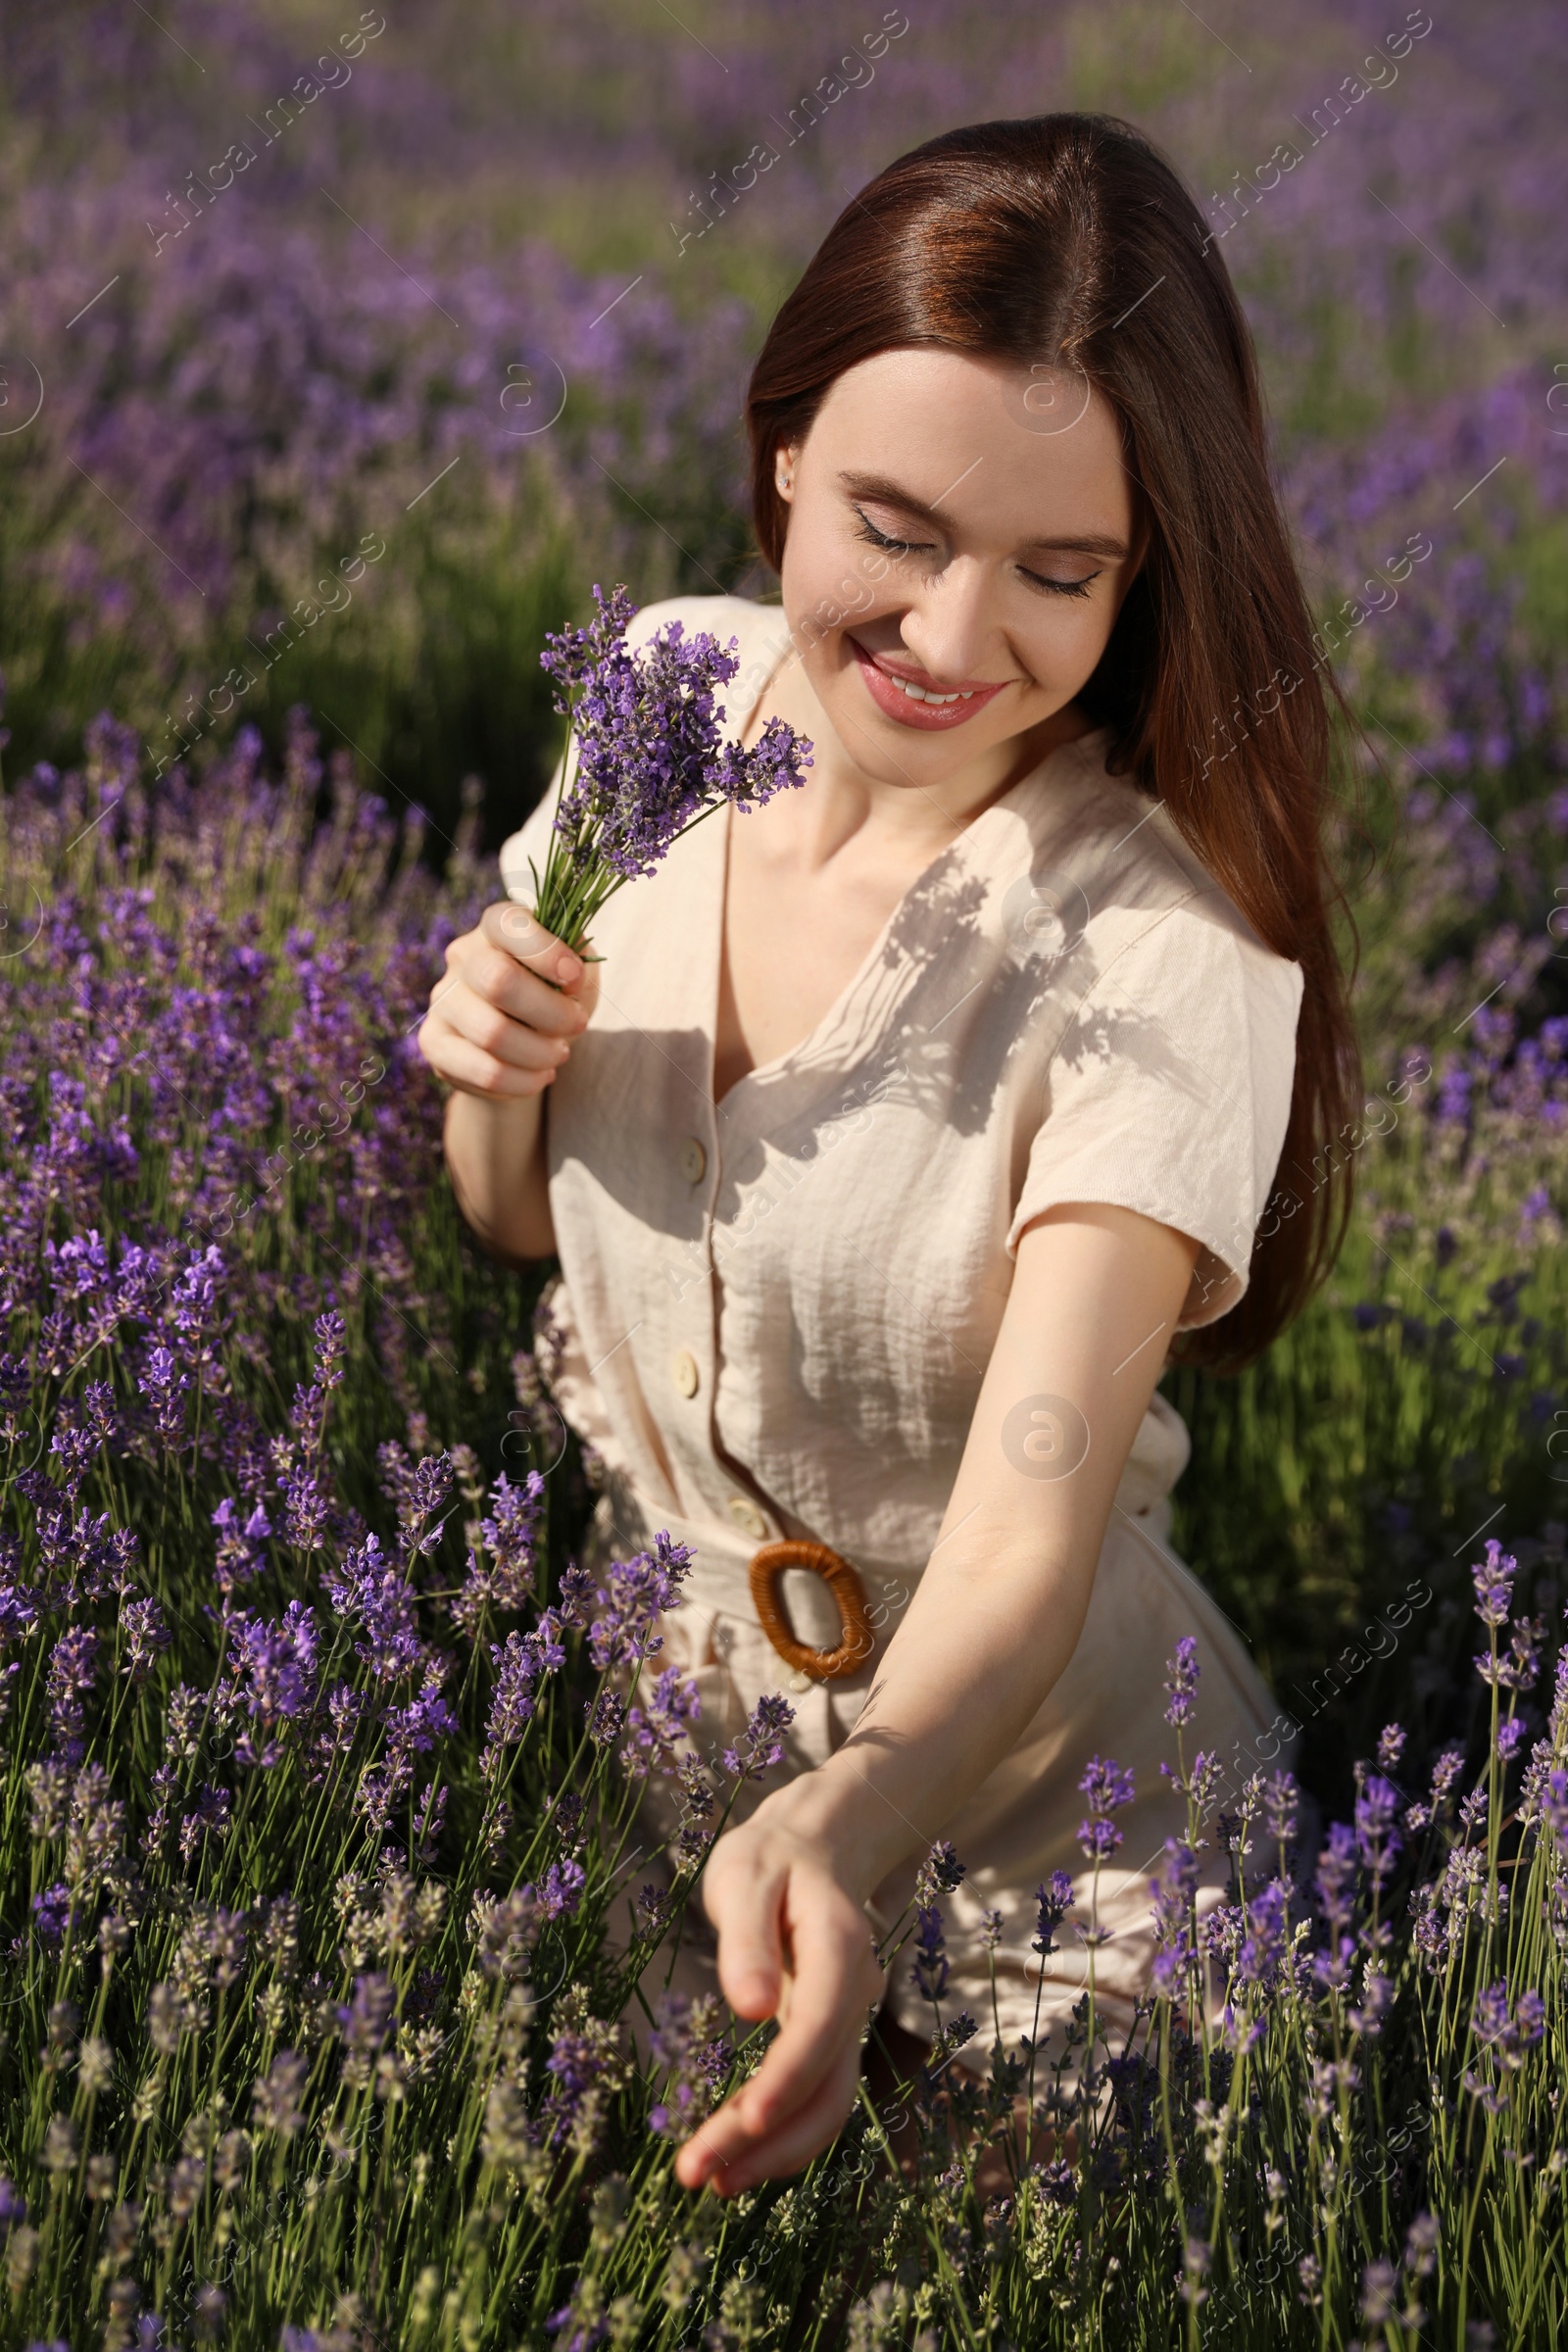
x,y
997,1614
985,1637
495,1155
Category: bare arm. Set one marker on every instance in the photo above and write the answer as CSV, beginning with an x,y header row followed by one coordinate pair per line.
x,y
498,1031
994,1621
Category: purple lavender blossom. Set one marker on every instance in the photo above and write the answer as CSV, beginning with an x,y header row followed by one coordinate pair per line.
x,y
930,1970
53,1914
1554,1802
1377,1998
1053,1902
1507,2026
165,1386
239,1540
273,1671
1172,1890
146,1637
940,1873
507,1933
502,1575
1336,1877
574,1593
1378,1842
761,1743
1517,1667
585,2064
561,1889
366,2020
1109,1786
657,1734
649,761
13,2207
1444,1772
687,2041
1099,1837
521,1663
1262,1948
415,1728
638,1592
306,1514
1181,1680
372,1594
1281,1807
606,1717
73,1672
1493,1582
277,2100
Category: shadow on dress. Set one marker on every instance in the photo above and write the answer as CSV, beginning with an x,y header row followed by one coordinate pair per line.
x,y
936,1025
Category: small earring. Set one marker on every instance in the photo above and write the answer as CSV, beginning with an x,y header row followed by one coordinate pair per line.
x,y
786,481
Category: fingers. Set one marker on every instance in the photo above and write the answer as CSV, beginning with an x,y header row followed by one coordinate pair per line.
x,y
834,1980
721,2153
501,1035
743,1897
499,1024
475,1071
476,1046
801,1926
523,940
521,935
483,958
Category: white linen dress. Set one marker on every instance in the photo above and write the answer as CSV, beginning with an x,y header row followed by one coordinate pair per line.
x,y
775,1312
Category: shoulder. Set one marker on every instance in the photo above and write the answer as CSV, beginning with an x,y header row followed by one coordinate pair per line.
x,y
1136,894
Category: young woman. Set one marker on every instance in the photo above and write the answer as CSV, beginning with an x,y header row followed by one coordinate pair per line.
x,y
911,1127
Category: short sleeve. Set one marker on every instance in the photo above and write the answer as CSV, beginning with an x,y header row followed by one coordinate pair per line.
x,y
1170,1091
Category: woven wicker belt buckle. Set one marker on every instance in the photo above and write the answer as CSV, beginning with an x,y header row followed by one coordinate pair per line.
x,y
856,1641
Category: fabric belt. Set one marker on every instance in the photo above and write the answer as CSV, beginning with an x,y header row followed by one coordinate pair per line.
x,y
733,1577
856,1637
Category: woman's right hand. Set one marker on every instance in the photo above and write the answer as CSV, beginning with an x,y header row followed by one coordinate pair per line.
x,y
497,1027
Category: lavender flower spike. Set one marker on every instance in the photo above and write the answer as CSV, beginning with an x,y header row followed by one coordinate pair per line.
x,y
1493,1578
650,761
1181,1680
761,1743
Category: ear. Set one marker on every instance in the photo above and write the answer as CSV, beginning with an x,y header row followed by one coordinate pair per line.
x,y
784,457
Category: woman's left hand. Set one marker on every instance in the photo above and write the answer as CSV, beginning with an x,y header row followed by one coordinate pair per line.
x,y
792,1943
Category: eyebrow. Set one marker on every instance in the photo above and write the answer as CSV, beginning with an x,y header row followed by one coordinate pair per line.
x,y
882,486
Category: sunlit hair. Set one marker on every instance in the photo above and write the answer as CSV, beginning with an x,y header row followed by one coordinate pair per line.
x,y
1068,242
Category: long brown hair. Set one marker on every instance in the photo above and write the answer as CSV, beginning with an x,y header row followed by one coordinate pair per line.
x,y
1069,240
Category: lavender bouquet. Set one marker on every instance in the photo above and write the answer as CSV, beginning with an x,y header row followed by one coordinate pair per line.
x,y
649,761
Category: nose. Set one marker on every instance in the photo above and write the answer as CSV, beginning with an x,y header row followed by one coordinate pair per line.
x,y
950,628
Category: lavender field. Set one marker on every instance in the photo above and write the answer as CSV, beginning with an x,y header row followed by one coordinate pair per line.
x,y
341,352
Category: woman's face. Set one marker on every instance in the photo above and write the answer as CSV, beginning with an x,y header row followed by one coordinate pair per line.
x,y
968,526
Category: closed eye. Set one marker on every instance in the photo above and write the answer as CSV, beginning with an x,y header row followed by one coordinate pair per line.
x,y
920,547
900,547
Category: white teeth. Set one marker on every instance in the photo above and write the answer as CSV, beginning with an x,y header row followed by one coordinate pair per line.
x,y
922,694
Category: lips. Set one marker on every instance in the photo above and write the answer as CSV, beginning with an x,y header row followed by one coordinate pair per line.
x,y
895,702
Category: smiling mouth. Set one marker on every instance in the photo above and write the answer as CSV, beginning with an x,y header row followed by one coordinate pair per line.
x,y
924,694
921,701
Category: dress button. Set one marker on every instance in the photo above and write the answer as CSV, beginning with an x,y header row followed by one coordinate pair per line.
x,y
747,1515
684,1367
693,1160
